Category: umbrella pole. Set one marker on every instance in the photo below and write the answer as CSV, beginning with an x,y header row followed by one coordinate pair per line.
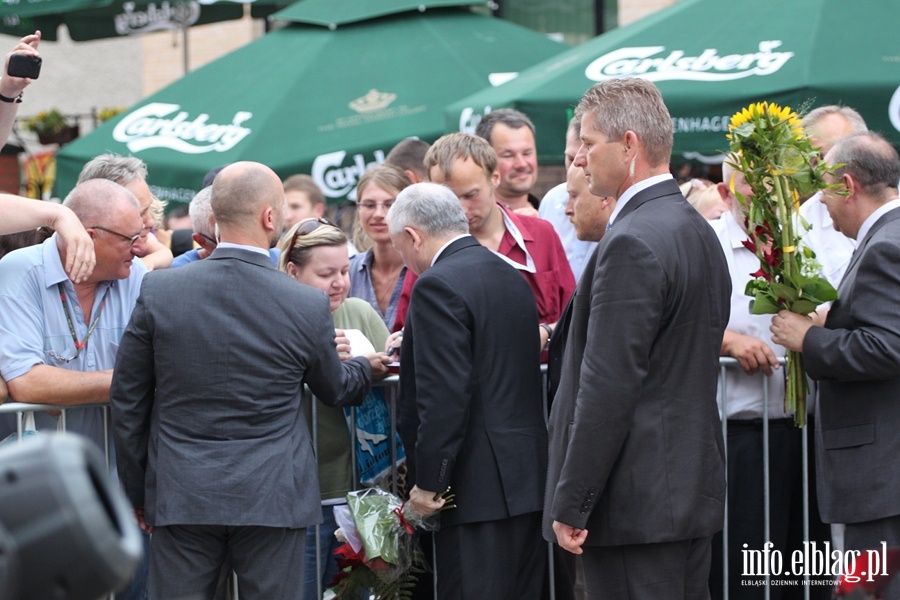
x,y
184,47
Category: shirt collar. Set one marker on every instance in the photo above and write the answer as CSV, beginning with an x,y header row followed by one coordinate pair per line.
x,y
633,190
256,249
736,233
444,247
520,242
871,219
53,268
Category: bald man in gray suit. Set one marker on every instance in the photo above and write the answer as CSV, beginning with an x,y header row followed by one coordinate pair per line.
x,y
213,450
855,357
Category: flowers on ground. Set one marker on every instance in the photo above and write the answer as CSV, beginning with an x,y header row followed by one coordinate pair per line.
x,y
780,165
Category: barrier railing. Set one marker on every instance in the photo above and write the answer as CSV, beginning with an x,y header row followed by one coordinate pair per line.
x,y
390,386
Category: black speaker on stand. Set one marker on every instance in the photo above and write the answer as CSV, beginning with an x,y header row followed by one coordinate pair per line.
x,y
66,530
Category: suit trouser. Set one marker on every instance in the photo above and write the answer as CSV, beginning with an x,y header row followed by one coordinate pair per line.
x,y
665,571
500,560
186,560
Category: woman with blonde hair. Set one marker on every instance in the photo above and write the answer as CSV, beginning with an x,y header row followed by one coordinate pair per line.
x,y
377,274
314,253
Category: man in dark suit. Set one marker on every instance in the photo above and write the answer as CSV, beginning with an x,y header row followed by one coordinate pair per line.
x,y
206,398
589,216
855,357
636,481
470,401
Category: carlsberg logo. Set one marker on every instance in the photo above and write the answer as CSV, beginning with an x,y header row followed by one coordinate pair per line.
x,y
651,63
146,128
338,181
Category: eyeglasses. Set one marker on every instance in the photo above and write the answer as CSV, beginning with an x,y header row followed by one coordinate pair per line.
x,y
130,238
372,206
209,239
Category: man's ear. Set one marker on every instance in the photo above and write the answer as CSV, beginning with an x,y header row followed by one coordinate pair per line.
x,y
851,184
725,194
319,210
268,218
415,236
631,144
202,242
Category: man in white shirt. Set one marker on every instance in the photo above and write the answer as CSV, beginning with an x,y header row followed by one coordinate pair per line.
x,y
825,126
553,209
758,377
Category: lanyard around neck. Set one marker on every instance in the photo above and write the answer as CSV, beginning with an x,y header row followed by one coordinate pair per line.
x,y
79,346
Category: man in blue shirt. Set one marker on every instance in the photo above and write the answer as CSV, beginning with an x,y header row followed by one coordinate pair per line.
x,y
58,339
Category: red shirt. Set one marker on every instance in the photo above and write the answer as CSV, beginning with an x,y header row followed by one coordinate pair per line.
x,y
552,282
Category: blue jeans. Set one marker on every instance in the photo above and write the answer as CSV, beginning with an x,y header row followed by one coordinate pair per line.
x,y
328,567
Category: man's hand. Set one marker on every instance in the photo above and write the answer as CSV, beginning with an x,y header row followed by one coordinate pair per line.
x,y
423,503
569,538
379,362
754,355
789,329
139,517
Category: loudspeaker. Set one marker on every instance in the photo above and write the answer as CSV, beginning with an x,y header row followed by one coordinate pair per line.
x,y
66,530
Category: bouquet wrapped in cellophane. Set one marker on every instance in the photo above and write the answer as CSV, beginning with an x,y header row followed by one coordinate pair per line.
x,y
380,555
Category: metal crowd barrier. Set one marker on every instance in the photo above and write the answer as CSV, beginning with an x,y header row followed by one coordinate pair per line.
x,y
390,386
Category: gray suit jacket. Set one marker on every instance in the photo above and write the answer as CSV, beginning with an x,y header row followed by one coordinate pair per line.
x,y
207,390
856,360
636,452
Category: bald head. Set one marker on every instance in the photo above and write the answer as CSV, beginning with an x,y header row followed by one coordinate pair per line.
x,y
828,124
95,200
248,202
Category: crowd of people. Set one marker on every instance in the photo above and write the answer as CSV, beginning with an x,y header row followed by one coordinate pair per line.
x,y
628,287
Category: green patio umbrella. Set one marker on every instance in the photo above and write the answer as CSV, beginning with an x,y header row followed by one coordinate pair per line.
x,y
309,99
711,58
96,19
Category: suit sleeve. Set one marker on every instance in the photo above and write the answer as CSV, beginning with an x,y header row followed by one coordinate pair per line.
x,y
627,300
442,343
334,382
132,395
870,350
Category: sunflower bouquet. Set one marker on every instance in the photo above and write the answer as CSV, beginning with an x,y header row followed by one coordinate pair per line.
x,y
780,165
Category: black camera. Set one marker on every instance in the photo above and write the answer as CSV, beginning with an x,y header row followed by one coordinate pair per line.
x,y
24,65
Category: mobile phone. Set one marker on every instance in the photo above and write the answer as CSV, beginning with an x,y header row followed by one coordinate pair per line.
x,y
24,65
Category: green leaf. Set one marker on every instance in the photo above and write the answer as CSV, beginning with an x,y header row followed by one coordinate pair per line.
x,y
784,291
763,305
744,130
803,307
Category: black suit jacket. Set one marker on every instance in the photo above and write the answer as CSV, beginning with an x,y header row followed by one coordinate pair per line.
x,y
636,451
470,386
856,360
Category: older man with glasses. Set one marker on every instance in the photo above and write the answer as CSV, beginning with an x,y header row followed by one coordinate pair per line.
x,y
58,339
